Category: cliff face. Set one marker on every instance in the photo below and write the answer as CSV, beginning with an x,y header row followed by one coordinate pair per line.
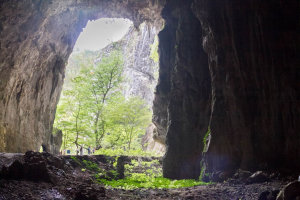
x,y
252,49
36,39
182,102
140,71
232,67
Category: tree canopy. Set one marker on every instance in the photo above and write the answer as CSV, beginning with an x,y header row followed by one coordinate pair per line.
x,y
93,110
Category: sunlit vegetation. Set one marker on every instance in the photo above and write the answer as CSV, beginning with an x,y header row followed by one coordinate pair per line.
x,y
138,174
122,152
154,50
140,180
93,112
151,177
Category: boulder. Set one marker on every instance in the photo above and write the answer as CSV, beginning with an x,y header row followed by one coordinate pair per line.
x,y
86,192
13,171
34,167
290,191
268,195
220,176
257,177
242,174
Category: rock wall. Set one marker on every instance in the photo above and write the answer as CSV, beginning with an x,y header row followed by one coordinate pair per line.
x,y
36,39
232,67
140,71
252,49
182,102
53,143
150,141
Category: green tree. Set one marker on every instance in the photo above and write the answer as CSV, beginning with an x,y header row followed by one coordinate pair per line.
x,y
80,111
132,117
103,81
72,116
93,111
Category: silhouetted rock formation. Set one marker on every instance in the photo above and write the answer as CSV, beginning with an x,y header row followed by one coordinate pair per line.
x,y
244,86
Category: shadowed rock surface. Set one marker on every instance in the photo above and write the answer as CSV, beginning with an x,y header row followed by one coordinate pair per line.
x,y
231,67
252,51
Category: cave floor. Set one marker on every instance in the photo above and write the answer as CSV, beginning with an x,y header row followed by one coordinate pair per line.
x,y
44,176
31,190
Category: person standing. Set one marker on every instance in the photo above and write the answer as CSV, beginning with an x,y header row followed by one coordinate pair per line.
x,y
81,150
89,150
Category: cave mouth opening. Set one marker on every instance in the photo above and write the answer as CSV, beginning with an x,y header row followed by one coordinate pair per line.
x,y
106,101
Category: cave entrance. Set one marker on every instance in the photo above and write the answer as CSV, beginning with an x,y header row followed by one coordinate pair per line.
x,y
106,101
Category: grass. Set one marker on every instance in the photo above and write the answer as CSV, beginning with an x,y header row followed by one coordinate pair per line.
x,y
151,177
121,152
138,180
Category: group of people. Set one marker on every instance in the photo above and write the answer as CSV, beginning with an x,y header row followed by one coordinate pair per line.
x,y
89,150
80,151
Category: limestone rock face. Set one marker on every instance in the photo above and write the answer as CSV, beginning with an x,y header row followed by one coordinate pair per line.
x,y
252,49
231,67
54,142
36,39
140,73
150,141
140,70
182,101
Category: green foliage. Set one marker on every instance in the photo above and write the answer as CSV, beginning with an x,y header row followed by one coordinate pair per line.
x,y
155,56
129,118
122,152
138,180
203,175
102,79
154,50
91,165
86,164
93,112
150,178
150,168
205,139
76,160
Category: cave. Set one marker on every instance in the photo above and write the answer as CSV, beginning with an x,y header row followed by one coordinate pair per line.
x,y
228,91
